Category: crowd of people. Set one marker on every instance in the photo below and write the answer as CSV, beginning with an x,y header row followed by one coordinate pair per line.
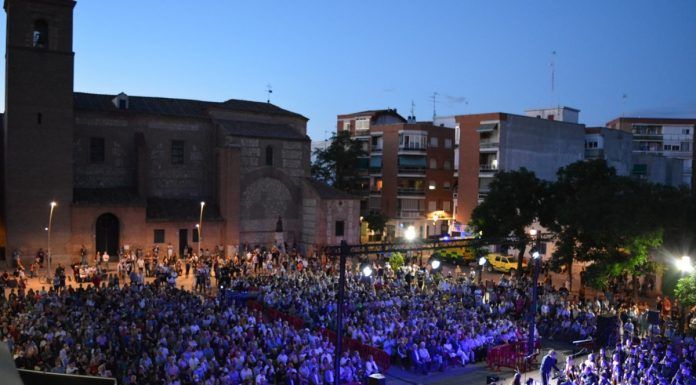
x,y
424,319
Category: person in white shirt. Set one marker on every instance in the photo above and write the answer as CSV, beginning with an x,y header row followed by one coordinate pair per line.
x,y
371,366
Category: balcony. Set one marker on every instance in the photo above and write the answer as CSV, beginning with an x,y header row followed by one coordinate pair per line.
x,y
489,143
411,191
411,214
411,171
488,168
413,147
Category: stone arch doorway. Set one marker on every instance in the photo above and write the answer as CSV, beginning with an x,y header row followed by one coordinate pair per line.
x,y
107,234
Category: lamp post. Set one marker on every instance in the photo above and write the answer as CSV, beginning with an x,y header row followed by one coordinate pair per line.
x,y
481,263
410,235
685,267
200,230
536,257
48,251
339,310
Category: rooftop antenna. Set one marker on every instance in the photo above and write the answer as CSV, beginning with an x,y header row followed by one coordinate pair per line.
x,y
623,104
413,109
269,91
553,76
434,99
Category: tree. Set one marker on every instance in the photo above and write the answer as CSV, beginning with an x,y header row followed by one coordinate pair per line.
x,y
336,164
376,221
686,291
512,204
602,218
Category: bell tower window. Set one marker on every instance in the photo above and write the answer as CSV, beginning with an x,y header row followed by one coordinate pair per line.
x,y
269,156
40,35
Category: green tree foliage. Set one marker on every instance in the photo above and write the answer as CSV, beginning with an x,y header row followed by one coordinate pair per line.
x,y
686,291
513,203
602,218
396,261
376,221
336,165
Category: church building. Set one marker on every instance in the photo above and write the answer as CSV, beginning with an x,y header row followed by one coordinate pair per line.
x,y
132,172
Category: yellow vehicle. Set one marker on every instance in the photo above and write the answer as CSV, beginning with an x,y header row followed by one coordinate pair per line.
x,y
454,255
502,263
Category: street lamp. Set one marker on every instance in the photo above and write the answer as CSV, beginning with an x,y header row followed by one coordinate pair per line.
x,y
535,282
48,229
481,263
410,235
435,264
200,230
685,267
367,270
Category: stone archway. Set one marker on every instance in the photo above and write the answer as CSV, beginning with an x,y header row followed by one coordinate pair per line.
x,y
107,233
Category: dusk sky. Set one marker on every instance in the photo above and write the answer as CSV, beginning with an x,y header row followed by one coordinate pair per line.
x,y
325,58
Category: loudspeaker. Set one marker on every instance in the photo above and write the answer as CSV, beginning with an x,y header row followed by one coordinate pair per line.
x,y
607,331
653,317
376,379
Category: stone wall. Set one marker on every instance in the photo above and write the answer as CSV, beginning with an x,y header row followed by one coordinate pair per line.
x,y
194,178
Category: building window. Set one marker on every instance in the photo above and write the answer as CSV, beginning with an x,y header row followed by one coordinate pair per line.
x,y
96,150
339,228
40,36
177,152
433,163
448,143
446,205
685,131
591,144
269,156
432,185
346,126
159,236
122,104
433,142
685,146
552,117
447,165
446,186
432,205
456,133
362,124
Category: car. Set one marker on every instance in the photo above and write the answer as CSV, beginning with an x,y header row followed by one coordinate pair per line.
x,y
454,255
502,263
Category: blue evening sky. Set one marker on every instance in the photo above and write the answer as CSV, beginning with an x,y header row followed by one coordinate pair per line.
x,y
325,58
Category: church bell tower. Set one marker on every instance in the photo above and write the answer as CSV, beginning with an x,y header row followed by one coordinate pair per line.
x,y
38,126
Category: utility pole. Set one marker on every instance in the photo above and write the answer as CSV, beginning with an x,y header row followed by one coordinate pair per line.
x,y
339,311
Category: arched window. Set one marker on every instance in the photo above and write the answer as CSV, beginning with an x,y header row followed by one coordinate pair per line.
x,y
269,156
40,37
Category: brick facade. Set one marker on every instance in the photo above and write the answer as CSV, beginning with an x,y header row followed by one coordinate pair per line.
x,y
147,161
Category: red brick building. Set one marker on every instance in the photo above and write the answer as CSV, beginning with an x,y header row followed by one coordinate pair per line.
x,y
409,170
132,171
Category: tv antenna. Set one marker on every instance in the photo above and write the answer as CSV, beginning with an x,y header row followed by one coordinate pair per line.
x,y
413,109
553,75
269,91
433,97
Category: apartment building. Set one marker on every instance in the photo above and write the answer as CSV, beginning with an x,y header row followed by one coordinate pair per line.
x,y
672,138
614,146
541,142
408,173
